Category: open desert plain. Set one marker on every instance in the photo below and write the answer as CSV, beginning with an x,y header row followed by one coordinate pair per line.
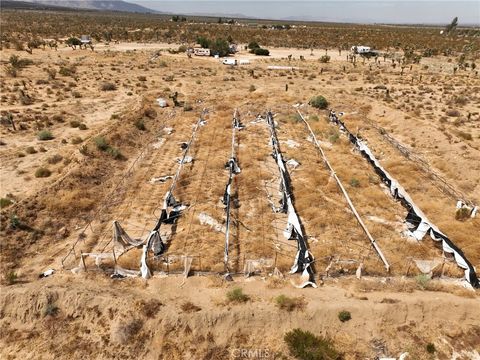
x,y
309,204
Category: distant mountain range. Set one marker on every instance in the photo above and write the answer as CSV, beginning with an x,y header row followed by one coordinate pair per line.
x,y
105,5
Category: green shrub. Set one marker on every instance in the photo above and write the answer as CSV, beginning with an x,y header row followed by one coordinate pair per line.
x,y
253,45
101,143
44,135
354,182
261,52
237,295
431,348
115,153
42,172
82,126
324,59
318,102
422,281
4,202
305,346
15,222
344,315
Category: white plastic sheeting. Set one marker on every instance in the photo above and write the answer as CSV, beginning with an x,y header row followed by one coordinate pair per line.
x,y
303,259
418,222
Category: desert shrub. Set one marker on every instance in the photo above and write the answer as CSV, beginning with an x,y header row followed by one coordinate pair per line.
x,y
344,315
140,125
453,113
289,304
58,118
220,47
4,202
73,41
15,222
462,214
30,150
354,182
101,143
124,331
253,45
151,307
422,281
108,86
69,70
318,102
306,346
11,71
189,307
17,63
74,123
115,153
76,140
261,52
52,73
252,88
464,135
70,202
142,78
204,42
76,94
55,159
431,348
50,309
44,135
187,107
313,117
11,277
324,59
82,126
237,295
150,113
42,172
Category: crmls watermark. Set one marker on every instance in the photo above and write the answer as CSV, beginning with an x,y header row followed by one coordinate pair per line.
x,y
250,353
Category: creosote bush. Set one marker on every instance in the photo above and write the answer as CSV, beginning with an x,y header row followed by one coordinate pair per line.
x,y
44,135
318,102
306,346
190,307
42,172
237,295
344,315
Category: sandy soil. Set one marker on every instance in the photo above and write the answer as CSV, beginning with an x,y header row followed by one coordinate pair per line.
x,y
429,109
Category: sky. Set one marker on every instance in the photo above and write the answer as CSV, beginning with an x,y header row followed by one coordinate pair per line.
x,y
359,11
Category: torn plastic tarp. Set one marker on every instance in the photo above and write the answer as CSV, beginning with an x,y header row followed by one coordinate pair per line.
x,y
293,231
170,212
233,169
418,223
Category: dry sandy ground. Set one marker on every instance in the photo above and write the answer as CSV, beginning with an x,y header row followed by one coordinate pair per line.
x,y
89,188
93,320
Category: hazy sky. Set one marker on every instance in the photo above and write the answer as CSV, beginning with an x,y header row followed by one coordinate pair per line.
x,y
386,11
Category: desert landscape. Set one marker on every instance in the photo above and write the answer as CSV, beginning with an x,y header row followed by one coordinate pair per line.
x,y
143,214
